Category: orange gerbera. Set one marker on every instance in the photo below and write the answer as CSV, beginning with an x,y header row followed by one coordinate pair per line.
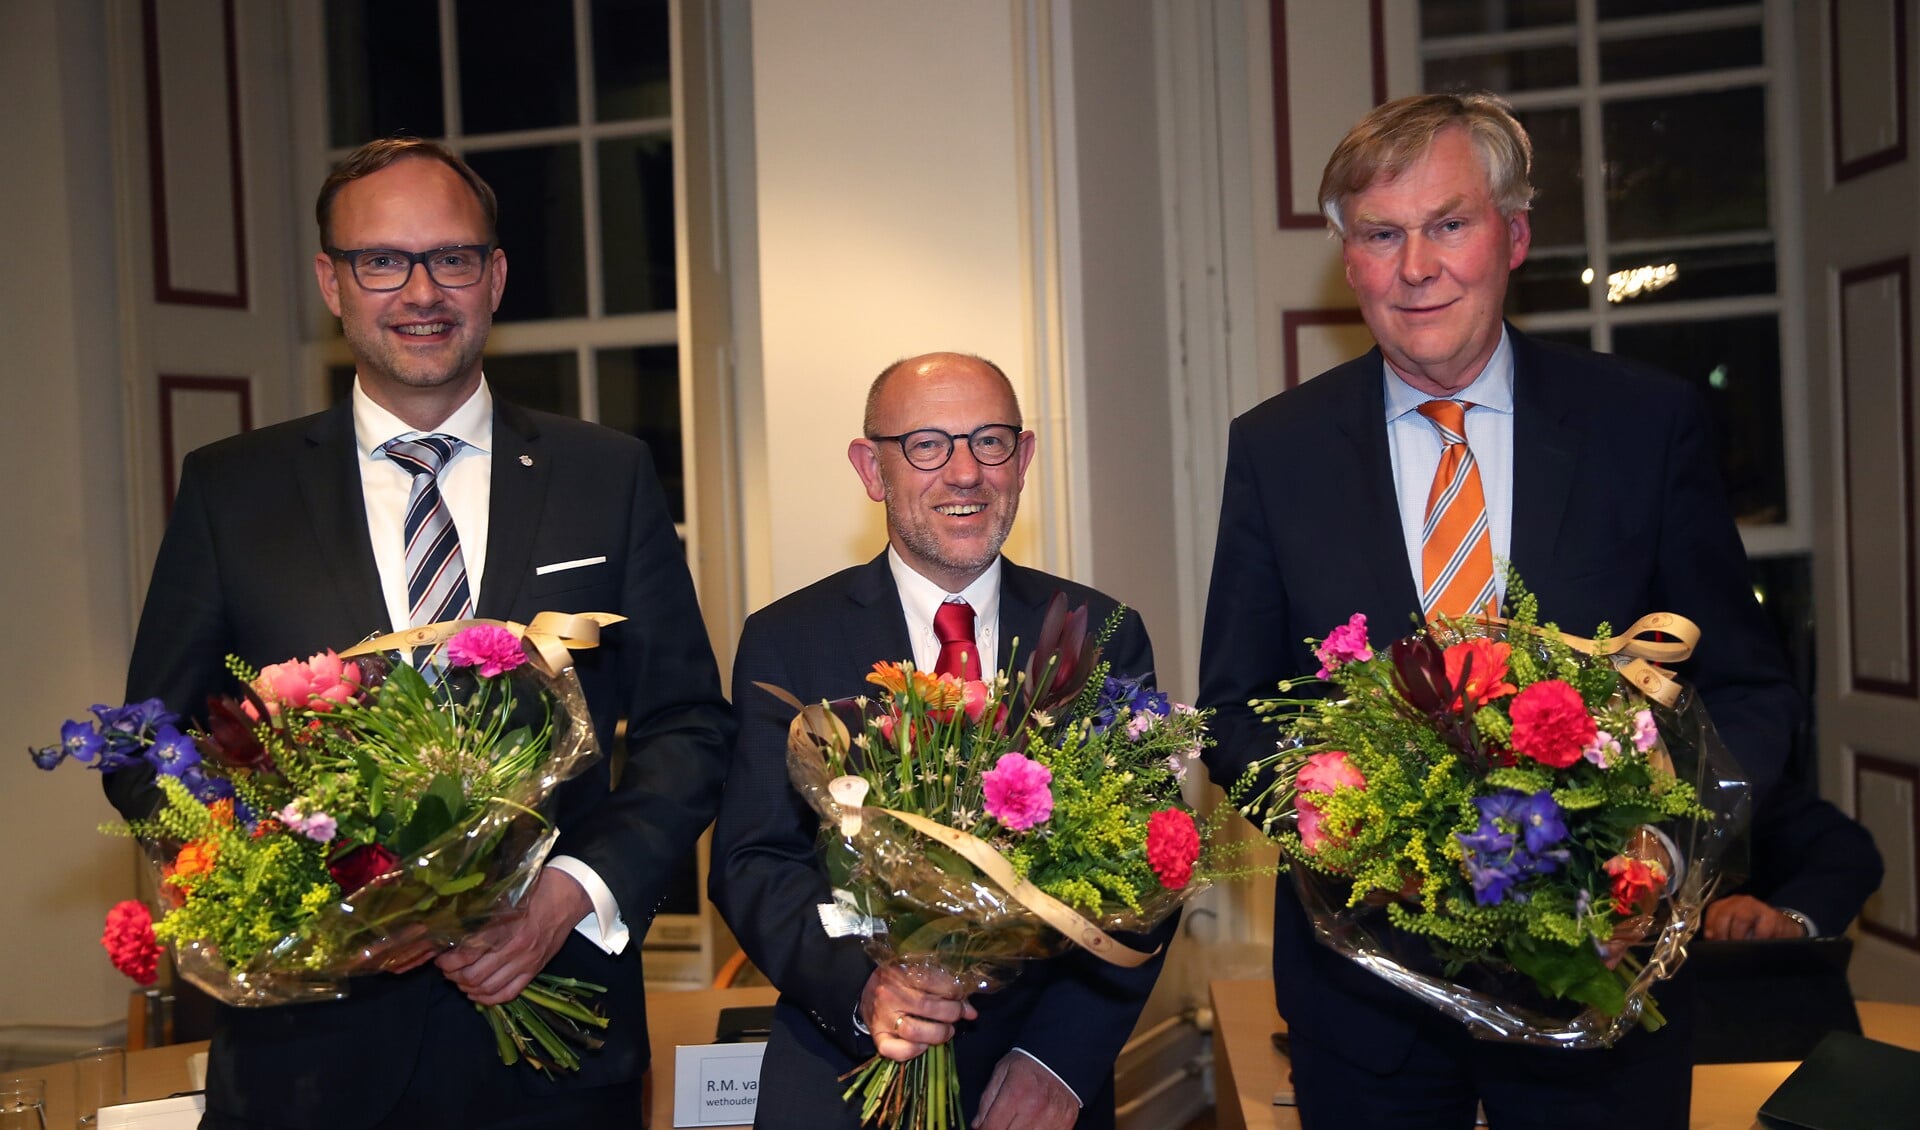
x,y
890,677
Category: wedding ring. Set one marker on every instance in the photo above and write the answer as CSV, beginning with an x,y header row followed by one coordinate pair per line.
x,y
899,1018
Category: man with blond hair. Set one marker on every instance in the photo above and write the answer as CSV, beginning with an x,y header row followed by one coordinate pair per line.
x,y
1593,476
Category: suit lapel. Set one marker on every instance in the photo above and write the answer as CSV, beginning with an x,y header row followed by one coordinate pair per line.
x,y
521,473
329,476
875,628
1546,439
1024,596
1370,497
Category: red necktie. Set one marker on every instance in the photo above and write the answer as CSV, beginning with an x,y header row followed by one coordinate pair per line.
x,y
1456,555
953,627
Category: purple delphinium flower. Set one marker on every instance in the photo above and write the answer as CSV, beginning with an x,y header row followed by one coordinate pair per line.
x,y
172,752
1541,822
1488,840
1489,883
205,787
1121,694
48,756
81,741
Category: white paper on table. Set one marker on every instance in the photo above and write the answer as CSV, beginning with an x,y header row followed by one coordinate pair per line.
x,y
180,1113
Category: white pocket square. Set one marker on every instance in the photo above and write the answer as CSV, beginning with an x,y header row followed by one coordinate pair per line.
x,y
563,566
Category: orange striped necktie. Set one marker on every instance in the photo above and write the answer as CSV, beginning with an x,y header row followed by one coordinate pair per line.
x,y
1456,543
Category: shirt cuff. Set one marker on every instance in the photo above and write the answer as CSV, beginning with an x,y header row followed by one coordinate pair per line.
x,y
603,926
1077,1100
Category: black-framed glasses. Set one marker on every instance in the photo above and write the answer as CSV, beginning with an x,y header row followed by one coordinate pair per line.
x,y
930,448
389,268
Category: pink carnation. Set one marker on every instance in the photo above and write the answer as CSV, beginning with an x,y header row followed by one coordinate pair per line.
x,y
1016,792
320,683
1345,644
493,649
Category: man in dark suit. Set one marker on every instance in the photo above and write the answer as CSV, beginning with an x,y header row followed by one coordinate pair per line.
x,y
1598,484
944,449
290,540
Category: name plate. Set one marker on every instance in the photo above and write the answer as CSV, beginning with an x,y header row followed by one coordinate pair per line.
x,y
716,1084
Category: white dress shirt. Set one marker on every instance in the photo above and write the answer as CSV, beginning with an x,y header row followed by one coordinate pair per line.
x,y
466,486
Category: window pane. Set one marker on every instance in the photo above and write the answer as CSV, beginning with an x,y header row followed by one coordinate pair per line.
x,y
548,382
1628,9
1686,164
1536,69
383,69
640,395
636,223
632,64
1471,17
1689,53
1701,272
541,228
1735,362
1548,282
1559,215
516,65
1580,338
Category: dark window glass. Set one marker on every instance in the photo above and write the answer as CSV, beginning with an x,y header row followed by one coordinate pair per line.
x,y
1701,272
517,69
640,395
549,382
1686,164
1578,338
1547,282
1629,9
383,69
542,229
1691,52
1473,17
1735,363
632,63
636,223
1541,68
1559,215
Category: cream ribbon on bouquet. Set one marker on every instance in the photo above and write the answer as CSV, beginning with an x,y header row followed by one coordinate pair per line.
x,y
815,727
550,639
1641,653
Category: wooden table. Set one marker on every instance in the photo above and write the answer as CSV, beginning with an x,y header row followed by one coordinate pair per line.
x,y
673,1018
1248,1071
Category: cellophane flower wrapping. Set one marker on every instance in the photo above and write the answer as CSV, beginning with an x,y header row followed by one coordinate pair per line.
x,y
1571,902
378,887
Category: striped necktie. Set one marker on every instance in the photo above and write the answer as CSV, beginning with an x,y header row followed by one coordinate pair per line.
x,y
953,627
436,572
1456,545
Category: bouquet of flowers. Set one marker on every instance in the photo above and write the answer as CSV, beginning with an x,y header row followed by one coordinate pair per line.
x,y
349,813
1472,815
971,825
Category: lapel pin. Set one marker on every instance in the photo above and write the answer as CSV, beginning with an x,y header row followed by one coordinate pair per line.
x,y
526,460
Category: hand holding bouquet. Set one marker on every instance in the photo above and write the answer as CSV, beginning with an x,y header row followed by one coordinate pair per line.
x,y
972,825
1472,815
348,814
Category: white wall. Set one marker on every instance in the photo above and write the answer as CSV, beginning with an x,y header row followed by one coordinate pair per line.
x,y
888,193
65,577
